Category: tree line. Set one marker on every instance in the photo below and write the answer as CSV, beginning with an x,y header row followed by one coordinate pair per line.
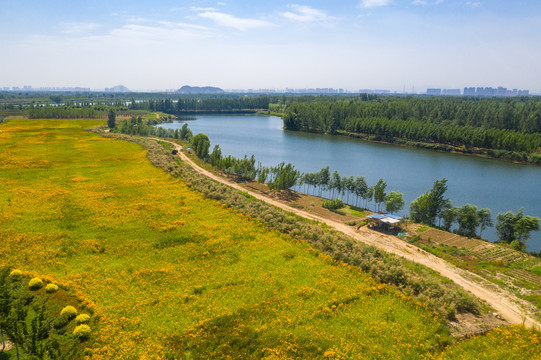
x,y
500,124
280,177
203,104
68,112
522,114
338,185
433,208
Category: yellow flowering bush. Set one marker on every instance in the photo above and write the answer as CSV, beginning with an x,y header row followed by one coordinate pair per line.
x,y
69,312
82,318
51,288
35,284
82,331
16,273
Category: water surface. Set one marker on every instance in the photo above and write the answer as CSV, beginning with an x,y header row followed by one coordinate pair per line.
x,y
487,183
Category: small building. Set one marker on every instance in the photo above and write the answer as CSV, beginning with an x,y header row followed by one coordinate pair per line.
x,y
385,222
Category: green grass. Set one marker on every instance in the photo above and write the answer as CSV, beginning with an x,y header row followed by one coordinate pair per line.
x,y
161,262
169,271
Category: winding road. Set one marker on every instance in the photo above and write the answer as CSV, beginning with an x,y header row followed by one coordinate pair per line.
x,y
508,306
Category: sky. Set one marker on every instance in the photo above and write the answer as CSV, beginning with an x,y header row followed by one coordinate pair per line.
x,y
398,45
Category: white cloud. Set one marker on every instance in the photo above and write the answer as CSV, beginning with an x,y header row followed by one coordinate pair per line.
x,y
427,2
306,14
195,8
159,31
232,21
374,3
78,28
473,3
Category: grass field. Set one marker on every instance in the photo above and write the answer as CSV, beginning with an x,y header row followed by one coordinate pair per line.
x,y
171,274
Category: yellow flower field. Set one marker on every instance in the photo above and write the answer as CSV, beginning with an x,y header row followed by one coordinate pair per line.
x,y
171,274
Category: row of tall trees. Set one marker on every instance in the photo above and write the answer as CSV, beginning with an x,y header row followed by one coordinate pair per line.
x,y
522,114
67,112
510,128
433,208
280,177
221,103
338,185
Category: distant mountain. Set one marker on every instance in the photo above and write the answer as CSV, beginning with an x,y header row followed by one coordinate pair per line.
x,y
199,90
118,89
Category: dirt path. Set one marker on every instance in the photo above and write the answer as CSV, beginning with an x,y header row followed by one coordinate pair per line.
x,y
505,303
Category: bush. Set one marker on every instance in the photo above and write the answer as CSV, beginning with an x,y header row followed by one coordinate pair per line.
x,y
69,311
82,331
51,288
16,273
83,318
35,284
60,322
333,204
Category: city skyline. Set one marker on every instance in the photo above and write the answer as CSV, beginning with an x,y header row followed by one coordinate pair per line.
x,y
384,44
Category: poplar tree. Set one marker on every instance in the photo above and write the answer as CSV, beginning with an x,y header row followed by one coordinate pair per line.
x,y
111,119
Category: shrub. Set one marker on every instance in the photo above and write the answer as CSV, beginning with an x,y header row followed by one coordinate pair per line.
x,y
83,318
60,322
35,284
51,288
82,331
69,311
16,273
333,204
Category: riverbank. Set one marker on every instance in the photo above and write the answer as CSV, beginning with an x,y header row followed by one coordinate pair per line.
x,y
477,285
518,158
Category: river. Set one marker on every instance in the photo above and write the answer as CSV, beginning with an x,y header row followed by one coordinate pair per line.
x,y
486,183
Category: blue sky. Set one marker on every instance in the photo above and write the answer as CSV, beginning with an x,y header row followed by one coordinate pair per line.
x,y
357,44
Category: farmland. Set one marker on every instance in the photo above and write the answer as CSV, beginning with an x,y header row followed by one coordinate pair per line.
x,y
170,273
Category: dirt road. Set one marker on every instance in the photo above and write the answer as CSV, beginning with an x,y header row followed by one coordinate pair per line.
x,y
505,303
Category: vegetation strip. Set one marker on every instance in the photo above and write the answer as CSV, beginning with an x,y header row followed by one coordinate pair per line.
x,y
501,302
89,211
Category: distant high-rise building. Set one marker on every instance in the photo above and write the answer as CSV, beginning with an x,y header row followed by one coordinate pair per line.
x,y
469,91
451,92
433,92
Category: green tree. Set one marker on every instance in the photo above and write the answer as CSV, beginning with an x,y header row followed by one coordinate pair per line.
x,y
420,208
111,119
361,187
394,201
201,145
449,217
323,178
368,196
285,177
184,131
262,174
437,200
485,220
431,205
505,225
379,193
215,156
335,183
468,220
524,226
